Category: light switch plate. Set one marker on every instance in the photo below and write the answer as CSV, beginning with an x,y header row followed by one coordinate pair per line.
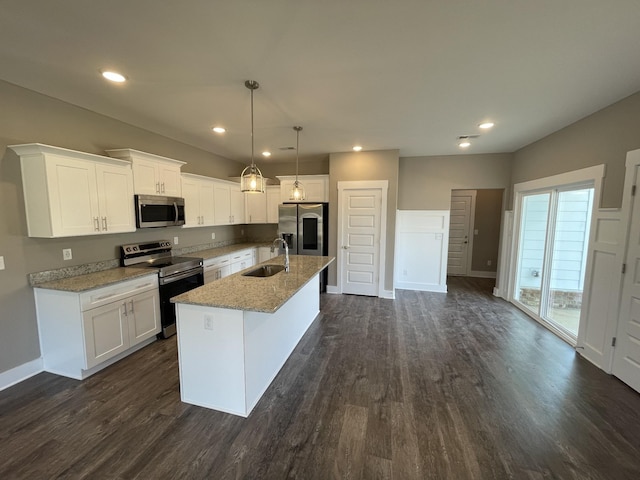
x,y
208,322
1,263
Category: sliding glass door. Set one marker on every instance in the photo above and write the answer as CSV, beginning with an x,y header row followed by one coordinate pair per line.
x,y
552,255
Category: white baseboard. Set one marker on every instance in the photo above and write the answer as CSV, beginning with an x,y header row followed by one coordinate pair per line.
x,y
20,373
389,294
421,287
333,289
479,274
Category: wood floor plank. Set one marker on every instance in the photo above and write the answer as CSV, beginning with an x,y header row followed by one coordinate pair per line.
x,y
445,386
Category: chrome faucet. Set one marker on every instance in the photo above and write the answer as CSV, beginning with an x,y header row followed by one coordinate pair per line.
x,y
286,251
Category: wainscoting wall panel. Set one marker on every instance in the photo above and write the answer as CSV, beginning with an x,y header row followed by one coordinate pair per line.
x,y
599,315
422,239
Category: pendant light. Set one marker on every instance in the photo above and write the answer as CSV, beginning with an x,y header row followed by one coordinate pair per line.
x,y
297,192
252,180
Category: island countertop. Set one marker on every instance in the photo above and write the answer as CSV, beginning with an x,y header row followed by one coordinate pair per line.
x,y
256,294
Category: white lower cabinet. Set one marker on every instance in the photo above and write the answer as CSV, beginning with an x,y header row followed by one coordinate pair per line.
x,y
265,253
216,268
243,259
82,333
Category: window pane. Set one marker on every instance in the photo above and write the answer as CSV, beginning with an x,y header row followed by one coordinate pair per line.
x,y
533,234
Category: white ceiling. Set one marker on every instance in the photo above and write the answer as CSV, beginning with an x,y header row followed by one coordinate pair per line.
x,y
411,75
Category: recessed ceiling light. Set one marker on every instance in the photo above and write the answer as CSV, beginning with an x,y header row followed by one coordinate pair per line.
x,y
486,125
266,154
357,148
219,129
114,76
463,142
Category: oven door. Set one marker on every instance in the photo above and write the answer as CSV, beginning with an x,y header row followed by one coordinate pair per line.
x,y
171,287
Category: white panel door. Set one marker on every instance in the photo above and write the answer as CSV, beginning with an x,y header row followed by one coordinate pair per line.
x,y
626,360
360,216
459,226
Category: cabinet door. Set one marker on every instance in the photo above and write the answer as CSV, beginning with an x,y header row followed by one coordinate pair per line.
x,y
237,204
256,204
191,194
207,205
222,204
145,177
273,200
285,189
143,316
115,198
169,180
73,197
105,333
315,190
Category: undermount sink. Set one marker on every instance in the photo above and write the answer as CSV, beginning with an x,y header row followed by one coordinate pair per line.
x,y
264,271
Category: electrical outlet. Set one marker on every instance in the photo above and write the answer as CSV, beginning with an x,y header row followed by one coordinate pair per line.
x,y
213,235
1,263
66,254
489,263
176,240
208,322
242,231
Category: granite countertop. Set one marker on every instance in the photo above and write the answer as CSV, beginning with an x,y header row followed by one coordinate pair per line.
x,y
256,294
89,281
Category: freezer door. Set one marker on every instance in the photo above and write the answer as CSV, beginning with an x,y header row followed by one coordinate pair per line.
x,y
310,229
288,226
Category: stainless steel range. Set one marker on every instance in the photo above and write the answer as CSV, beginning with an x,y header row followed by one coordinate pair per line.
x,y
176,275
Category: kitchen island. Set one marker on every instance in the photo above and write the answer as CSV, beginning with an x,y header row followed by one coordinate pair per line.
x,y
236,333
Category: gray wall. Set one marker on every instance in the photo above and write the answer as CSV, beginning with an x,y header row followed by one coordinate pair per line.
x,y
603,137
352,166
425,183
487,219
29,117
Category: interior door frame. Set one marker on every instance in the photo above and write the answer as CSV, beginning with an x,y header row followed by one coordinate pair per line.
x,y
471,232
632,162
593,174
383,186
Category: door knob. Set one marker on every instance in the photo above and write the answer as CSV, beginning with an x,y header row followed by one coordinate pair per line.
x,y
345,247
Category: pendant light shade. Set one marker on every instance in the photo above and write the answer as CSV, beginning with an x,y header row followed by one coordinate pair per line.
x,y
297,191
252,180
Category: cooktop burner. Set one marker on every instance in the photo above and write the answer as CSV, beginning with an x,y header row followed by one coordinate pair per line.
x,y
157,255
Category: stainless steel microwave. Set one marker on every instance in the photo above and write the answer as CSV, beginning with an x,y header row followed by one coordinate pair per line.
x,y
159,211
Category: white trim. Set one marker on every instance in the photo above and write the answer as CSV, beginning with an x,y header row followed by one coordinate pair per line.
x,y
383,186
422,288
481,274
506,243
20,373
389,294
593,174
333,290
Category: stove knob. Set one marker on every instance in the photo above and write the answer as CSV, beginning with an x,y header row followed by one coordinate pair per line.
x,y
128,249
135,249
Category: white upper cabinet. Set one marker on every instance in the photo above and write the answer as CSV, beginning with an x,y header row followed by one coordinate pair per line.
x,y
69,193
198,193
256,204
273,200
228,203
316,187
152,174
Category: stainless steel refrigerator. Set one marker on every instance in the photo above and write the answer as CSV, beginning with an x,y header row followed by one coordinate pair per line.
x,y
304,226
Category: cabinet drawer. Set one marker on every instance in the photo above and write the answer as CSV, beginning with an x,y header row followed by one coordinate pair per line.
x,y
242,255
102,296
216,262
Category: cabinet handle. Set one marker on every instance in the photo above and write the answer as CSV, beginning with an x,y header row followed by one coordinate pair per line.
x,y
157,187
96,223
104,223
124,309
131,311
162,187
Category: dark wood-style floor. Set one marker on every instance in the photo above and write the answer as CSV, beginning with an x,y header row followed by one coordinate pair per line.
x,y
455,386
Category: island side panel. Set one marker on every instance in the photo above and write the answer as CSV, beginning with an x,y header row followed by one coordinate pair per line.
x,y
211,358
271,338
